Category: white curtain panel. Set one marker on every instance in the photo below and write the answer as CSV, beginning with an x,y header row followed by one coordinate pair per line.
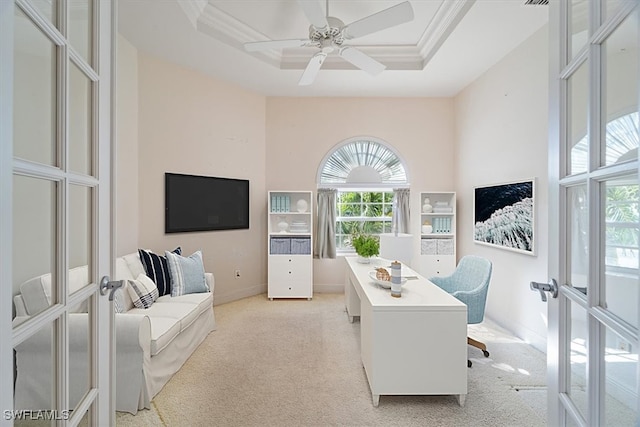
x,y
401,214
325,245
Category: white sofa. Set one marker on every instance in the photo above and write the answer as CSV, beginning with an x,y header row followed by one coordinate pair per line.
x,y
151,344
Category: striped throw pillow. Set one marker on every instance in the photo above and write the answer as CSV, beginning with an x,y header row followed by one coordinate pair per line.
x,y
143,291
157,269
187,274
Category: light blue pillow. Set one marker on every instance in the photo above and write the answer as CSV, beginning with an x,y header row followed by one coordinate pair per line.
x,y
187,274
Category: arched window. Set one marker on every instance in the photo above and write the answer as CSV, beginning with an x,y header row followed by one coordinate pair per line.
x,y
363,161
365,171
622,143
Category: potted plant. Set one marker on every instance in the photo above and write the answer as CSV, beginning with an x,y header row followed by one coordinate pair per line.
x,y
365,245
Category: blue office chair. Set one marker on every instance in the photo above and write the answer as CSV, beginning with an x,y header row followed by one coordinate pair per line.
x,y
470,283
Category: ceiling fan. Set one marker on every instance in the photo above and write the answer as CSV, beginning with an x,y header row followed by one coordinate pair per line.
x,y
328,34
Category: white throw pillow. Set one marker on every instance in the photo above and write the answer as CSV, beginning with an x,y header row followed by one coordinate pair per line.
x,y
143,291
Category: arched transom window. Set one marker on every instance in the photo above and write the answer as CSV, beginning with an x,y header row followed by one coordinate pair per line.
x,y
365,171
363,161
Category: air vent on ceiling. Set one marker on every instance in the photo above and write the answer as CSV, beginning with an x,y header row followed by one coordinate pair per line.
x,y
536,2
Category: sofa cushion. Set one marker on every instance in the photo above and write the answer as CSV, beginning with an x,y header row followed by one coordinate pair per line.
x,y
163,331
36,292
204,298
201,302
157,269
187,274
133,262
184,313
143,291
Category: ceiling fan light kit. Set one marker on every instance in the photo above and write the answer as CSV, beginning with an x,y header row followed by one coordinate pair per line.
x,y
328,34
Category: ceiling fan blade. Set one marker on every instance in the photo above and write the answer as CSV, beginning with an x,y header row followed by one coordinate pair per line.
x,y
274,44
395,15
362,60
313,10
309,74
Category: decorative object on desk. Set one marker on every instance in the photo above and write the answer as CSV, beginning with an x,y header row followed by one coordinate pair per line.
x,y
426,207
283,225
302,205
383,274
384,283
396,280
504,216
366,246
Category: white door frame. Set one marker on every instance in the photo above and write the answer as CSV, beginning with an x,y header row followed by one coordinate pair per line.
x,y
6,161
558,357
101,322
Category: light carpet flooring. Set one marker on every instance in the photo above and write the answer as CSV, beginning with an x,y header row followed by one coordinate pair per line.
x,y
297,363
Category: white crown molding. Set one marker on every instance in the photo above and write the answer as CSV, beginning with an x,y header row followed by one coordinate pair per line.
x,y
212,21
446,19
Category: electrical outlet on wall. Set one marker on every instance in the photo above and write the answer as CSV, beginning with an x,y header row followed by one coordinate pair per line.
x,y
237,274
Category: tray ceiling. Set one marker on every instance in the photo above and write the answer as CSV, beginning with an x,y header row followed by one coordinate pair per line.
x,y
447,45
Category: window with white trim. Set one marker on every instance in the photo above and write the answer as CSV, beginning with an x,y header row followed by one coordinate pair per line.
x,y
365,171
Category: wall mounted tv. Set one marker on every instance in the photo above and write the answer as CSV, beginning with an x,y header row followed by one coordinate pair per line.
x,y
204,203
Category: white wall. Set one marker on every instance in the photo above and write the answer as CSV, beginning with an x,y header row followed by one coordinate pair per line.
x,y
501,133
126,167
494,131
301,131
194,124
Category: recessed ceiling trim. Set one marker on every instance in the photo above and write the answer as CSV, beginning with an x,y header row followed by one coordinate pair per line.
x,y
214,22
448,16
394,57
193,9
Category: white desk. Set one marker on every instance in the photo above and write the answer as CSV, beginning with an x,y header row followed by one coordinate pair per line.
x,y
415,344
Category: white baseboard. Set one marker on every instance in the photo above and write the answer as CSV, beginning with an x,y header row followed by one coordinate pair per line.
x,y
243,293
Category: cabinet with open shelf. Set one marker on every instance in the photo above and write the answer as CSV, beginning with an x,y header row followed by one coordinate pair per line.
x,y
290,244
437,233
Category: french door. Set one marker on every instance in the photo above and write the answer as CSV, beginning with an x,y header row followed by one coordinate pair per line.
x,y
593,347
55,134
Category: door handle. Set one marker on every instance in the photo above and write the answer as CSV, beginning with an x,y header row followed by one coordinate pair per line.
x,y
551,287
107,284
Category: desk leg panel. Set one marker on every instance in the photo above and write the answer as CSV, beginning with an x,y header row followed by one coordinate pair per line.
x,y
416,352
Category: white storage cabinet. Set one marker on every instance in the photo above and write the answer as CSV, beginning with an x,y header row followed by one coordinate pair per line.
x,y
437,245
290,244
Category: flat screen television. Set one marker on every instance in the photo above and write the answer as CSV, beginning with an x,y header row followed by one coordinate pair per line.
x,y
204,203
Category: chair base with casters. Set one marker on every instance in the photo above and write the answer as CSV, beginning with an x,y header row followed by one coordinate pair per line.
x,y
477,344
469,283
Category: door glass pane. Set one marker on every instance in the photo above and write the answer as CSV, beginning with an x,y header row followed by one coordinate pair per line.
x,y
577,126
621,379
578,229
80,27
33,370
578,26
577,374
621,248
34,97
33,244
79,355
79,236
620,92
570,422
613,5
47,8
80,129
